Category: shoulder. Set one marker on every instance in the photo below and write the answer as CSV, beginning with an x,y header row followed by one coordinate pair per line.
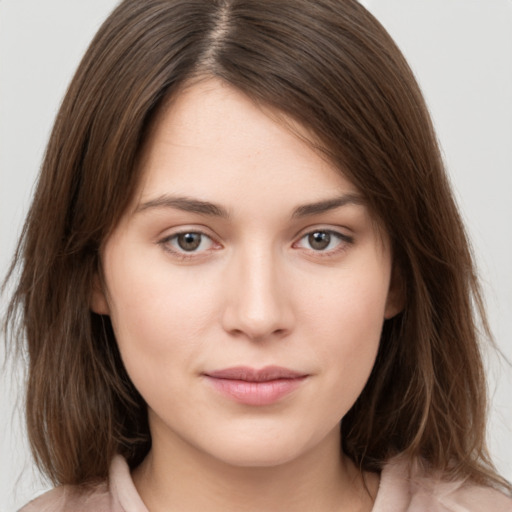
x,y
73,499
118,494
407,486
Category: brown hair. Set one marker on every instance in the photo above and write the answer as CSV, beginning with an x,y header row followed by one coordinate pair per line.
x,y
329,65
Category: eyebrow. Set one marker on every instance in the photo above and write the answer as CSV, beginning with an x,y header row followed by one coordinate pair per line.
x,y
189,204
186,204
326,205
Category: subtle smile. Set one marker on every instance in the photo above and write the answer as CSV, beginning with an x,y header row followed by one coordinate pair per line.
x,y
255,387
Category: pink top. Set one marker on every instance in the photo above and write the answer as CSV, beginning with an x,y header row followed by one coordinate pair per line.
x,y
404,487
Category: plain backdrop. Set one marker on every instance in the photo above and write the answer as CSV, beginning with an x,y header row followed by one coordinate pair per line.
x,y
461,52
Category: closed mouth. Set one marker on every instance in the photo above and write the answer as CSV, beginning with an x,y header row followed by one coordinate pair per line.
x,y
248,374
251,386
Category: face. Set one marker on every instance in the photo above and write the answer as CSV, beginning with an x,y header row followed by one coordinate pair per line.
x,y
247,284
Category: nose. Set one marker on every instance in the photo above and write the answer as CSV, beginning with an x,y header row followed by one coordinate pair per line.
x,y
258,302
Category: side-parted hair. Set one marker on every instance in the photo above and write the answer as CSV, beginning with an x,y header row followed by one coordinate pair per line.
x,y
329,65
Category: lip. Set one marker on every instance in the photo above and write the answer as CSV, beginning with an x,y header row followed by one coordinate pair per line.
x,y
251,386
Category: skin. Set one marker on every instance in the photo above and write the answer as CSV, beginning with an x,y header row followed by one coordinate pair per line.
x,y
257,291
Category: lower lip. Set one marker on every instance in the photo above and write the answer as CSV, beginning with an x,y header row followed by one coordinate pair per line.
x,y
256,393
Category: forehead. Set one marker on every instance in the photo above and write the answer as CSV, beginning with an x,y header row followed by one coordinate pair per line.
x,y
212,140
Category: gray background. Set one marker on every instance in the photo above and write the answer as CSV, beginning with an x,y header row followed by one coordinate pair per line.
x,y
461,52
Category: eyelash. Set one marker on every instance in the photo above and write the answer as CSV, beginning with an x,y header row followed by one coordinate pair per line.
x,y
343,242
181,253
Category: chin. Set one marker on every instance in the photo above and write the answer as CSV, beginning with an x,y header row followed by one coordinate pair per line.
x,y
255,457
261,450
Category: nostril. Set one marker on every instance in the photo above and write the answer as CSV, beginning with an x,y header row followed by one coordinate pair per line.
x,y
257,305
257,329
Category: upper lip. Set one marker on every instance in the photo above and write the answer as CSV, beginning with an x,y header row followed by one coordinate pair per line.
x,y
249,374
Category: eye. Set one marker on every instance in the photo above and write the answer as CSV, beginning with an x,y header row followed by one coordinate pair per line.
x,y
323,240
187,242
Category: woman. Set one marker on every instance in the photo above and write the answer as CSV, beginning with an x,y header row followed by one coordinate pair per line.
x,y
245,284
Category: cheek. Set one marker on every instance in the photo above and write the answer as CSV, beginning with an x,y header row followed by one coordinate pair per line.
x,y
346,320
351,305
159,318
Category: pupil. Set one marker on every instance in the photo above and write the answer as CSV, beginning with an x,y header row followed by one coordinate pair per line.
x,y
189,241
319,240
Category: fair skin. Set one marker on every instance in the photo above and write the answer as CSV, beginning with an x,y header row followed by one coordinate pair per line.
x,y
245,248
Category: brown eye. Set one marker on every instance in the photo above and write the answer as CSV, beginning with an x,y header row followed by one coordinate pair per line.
x,y
189,241
319,240
324,242
188,244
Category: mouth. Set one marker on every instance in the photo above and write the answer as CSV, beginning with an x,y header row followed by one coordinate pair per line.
x,y
251,386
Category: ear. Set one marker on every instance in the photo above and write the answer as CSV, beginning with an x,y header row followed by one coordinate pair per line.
x,y
99,303
395,302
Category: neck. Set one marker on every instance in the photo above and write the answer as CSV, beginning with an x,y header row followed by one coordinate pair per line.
x,y
177,477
